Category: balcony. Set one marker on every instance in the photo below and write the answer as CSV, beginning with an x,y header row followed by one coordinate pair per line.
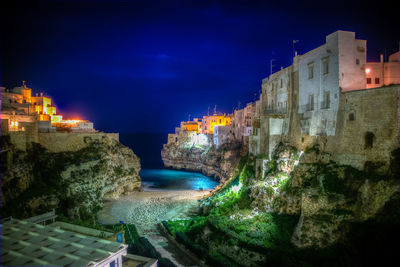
x,y
325,104
275,111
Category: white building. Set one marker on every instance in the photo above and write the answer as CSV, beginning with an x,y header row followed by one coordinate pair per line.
x,y
29,244
83,126
383,73
338,65
222,134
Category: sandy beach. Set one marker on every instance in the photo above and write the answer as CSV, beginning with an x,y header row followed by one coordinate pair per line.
x,y
148,208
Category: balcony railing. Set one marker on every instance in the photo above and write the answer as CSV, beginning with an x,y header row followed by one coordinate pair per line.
x,y
275,111
325,104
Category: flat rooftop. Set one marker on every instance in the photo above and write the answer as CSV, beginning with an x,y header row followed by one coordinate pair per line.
x,y
28,244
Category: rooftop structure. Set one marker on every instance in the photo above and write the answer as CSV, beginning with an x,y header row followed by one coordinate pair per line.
x,y
28,244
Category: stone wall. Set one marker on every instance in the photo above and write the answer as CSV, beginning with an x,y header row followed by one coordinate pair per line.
x,y
22,139
61,142
367,128
369,124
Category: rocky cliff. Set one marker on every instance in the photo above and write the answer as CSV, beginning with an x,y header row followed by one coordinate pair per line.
x,y
299,208
75,183
211,161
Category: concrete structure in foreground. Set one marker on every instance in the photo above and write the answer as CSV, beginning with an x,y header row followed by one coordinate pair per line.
x,y
30,244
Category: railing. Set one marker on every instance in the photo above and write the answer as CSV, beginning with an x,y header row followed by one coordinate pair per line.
x,y
43,217
306,107
275,111
325,104
321,131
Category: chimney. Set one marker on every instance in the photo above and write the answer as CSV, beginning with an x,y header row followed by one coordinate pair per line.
x,y
41,93
381,58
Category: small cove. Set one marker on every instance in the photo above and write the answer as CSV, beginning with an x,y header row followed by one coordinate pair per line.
x,y
165,179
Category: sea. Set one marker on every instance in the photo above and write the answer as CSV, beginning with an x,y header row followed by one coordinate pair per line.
x,y
147,146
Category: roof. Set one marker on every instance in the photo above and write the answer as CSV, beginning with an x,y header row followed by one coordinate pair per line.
x,y
29,244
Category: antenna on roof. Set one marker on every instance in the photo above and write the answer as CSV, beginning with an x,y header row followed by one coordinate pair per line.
x,y
294,52
215,109
208,112
271,65
189,117
23,83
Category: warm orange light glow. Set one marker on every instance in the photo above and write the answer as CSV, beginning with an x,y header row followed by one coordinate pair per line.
x,y
71,121
209,122
56,118
367,70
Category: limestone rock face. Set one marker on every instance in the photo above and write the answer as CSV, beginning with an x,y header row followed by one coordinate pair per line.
x,y
209,160
325,195
75,183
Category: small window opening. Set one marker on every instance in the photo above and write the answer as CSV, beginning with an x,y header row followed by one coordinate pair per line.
x,y
369,140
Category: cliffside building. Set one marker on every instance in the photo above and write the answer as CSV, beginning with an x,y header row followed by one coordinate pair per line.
x,y
19,107
242,124
209,122
326,94
192,126
222,134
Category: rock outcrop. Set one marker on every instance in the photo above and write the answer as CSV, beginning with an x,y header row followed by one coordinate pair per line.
x,y
298,208
325,195
73,182
211,161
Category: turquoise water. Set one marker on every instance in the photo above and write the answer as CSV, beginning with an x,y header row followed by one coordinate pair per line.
x,y
156,179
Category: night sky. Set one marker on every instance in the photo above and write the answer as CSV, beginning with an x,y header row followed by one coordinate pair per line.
x,y
143,66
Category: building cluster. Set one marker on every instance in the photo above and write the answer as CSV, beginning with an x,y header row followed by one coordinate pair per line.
x,y
219,128
330,96
21,111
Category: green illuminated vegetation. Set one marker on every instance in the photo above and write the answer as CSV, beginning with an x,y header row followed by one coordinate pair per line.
x,y
231,221
301,209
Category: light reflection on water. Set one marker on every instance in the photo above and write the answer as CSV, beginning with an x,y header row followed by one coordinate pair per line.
x,y
175,180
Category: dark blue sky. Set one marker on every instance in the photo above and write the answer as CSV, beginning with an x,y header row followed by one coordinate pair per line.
x,y
143,66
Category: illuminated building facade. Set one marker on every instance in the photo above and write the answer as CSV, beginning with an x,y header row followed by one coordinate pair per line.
x,y
191,126
19,107
209,122
383,73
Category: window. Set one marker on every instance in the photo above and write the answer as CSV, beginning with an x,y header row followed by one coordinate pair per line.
x,y
351,117
310,70
369,81
327,100
310,105
357,61
369,140
325,65
281,83
376,80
